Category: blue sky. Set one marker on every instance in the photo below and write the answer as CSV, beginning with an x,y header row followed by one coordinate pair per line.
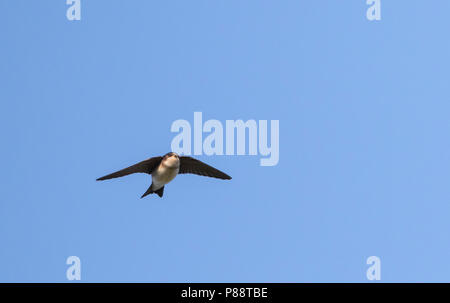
x,y
364,152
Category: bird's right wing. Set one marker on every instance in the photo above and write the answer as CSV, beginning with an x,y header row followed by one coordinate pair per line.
x,y
146,166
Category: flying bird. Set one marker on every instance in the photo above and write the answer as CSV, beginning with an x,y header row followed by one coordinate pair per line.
x,y
164,169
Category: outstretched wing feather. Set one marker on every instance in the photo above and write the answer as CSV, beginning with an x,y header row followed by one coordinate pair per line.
x,y
146,166
190,165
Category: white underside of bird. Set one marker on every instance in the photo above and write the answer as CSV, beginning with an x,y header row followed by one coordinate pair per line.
x,y
165,172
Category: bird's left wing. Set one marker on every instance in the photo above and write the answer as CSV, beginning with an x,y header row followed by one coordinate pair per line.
x,y
190,165
146,166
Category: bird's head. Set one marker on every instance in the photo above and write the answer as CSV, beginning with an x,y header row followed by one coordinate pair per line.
x,y
171,160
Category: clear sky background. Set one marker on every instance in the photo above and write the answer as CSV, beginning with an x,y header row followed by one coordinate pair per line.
x,y
364,164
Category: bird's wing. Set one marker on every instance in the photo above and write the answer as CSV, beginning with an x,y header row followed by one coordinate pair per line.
x,y
190,165
146,166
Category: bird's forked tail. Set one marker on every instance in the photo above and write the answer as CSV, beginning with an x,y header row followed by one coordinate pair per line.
x,y
150,190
